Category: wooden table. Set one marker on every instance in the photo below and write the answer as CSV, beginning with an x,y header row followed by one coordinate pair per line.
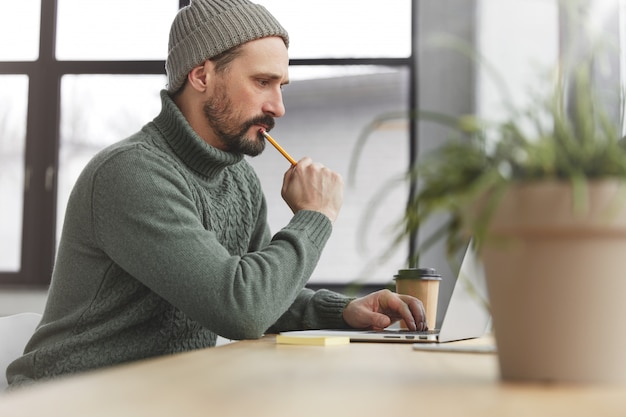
x,y
262,378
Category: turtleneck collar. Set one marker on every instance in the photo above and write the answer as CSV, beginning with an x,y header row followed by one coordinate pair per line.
x,y
201,157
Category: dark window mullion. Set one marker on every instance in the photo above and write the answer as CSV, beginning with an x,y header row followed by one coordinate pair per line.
x,y
41,157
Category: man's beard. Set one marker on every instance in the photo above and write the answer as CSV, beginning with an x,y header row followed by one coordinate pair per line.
x,y
231,131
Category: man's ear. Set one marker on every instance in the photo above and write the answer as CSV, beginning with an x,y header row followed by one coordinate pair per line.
x,y
200,76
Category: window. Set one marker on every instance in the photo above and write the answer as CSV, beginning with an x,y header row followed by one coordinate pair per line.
x,y
34,182
323,120
19,30
98,80
124,30
64,97
13,97
320,29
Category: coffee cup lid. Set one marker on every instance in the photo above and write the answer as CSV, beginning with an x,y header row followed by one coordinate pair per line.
x,y
418,273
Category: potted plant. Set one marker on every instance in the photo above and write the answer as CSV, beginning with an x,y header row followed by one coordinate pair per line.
x,y
543,195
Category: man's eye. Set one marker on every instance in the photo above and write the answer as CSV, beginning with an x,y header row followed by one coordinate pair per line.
x,y
264,83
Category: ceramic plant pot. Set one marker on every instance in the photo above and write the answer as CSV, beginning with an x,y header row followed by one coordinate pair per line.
x,y
557,283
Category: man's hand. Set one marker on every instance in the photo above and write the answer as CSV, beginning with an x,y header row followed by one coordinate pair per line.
x,y
382,308
312,186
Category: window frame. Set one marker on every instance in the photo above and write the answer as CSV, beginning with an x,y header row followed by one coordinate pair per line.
x,y
41,154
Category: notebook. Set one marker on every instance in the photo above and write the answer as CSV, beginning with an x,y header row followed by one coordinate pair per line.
x,y
466,316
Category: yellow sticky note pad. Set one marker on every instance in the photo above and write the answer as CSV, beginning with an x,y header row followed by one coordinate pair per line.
x,y
312,340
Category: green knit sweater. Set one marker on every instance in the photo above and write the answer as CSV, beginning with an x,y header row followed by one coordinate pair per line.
x,y
165,245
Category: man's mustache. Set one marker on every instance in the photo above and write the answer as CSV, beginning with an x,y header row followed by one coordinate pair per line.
x,y
266,121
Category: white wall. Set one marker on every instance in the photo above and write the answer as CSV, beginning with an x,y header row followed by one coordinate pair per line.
x,y
517,37
18,301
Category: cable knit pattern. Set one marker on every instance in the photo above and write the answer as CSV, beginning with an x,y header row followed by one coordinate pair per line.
x,y
165,245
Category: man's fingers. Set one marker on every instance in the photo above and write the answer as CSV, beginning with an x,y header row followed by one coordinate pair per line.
x,y
416,312
417,308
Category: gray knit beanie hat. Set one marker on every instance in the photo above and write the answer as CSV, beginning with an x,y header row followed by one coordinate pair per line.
x,y
207,28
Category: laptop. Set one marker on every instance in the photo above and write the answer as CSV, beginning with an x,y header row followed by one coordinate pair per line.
x,y
466,317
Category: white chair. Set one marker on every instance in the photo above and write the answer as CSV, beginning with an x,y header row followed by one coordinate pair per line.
x,y
15,331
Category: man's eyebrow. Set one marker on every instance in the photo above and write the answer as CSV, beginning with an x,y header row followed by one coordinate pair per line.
x,y
275,77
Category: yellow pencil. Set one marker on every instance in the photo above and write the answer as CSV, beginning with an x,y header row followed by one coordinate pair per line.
x,y
278,147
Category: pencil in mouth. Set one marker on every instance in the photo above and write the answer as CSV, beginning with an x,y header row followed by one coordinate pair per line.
x,y
277,146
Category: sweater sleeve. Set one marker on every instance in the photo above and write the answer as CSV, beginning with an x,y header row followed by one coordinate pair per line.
x,y
314,310
310,310
147,220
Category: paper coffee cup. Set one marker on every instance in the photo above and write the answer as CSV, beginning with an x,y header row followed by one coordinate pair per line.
x,y
422,283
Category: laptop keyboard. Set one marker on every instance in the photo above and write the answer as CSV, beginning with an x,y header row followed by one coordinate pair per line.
x,y
407,332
